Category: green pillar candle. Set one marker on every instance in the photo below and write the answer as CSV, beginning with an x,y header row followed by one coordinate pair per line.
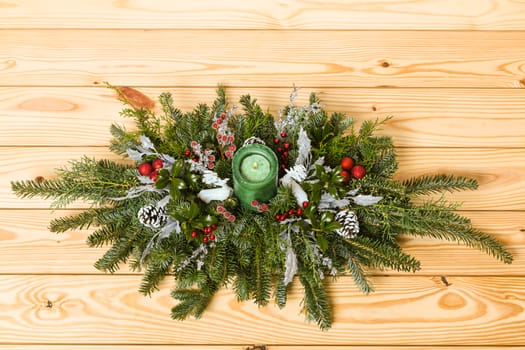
x,y
255,168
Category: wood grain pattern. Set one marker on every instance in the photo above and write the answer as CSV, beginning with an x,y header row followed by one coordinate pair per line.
x,y
51,116
499,171
293,14
108,310
451,72
262,58
243,347
24,233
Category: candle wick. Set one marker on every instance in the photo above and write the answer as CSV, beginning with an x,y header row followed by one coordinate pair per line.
x,y
255,165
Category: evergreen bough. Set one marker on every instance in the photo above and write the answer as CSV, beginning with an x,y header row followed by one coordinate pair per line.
x,y
253,253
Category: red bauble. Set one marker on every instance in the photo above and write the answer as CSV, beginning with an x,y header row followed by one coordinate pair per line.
x,y
154,175
157,163
212,237
347,163
305,204
346,176
283,134
145,169
187,153
193,234
299,212
204,239
358,172
286,145
276,141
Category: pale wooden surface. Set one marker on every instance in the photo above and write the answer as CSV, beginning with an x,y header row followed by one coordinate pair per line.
x,y
424,117
272,14
239,347
458,68
403,311
263,58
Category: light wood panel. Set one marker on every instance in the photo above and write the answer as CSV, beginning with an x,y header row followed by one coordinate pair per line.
x,y
263,58
24,233
50,116
243,347
252,14
500,172
403,311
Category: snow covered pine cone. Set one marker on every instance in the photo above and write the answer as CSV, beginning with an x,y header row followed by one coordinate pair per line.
x,y
349,222
152,216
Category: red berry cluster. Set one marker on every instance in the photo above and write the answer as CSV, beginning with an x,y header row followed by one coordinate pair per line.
x,y
225,213
282,149
204,157
291,212
225,136
260,206
350,169
207,233
151,169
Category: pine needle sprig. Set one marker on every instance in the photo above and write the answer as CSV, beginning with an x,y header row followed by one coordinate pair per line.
x,y
449,226
359,275
88,179
157,269
192,302
315,302
438,183
377,254
118,253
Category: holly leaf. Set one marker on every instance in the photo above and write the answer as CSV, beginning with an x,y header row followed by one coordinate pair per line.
x,y
178,183
322,242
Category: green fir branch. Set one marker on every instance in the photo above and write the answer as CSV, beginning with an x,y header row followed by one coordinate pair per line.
x,y
242,285
428,184
281,294
170,112
220,103
359,276
315,302
255,122
105,235
429,221
192,302
93,180
157,269
377,254
261,278
118,253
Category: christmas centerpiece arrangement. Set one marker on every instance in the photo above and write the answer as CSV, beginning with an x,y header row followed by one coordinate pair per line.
x,y
232,197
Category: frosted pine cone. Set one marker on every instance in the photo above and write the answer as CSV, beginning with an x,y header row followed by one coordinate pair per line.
x,y
151,216
349,223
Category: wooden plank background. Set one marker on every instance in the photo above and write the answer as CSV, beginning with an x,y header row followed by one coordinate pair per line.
x,y
451,72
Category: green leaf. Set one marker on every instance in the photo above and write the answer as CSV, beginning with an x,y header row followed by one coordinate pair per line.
x,y
178,183
205,220
322,242
193,211
177,168
162,182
